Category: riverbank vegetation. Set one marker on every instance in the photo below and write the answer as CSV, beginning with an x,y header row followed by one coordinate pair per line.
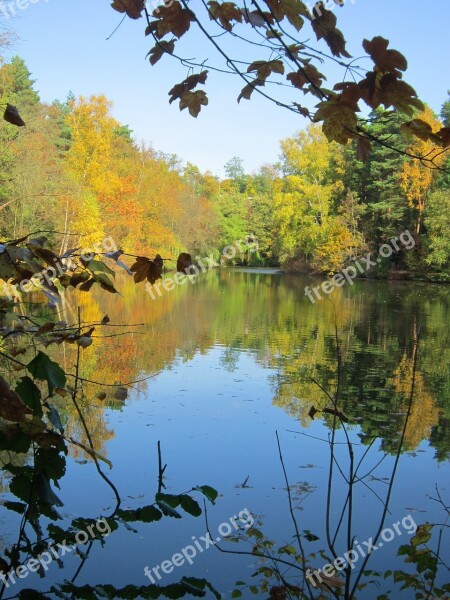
x,y
77,170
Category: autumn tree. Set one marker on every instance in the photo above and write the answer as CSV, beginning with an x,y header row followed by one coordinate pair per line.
x,y
416,177
199,225
31,176
308,227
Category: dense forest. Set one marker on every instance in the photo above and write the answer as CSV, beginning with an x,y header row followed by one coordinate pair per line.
x,y
76,170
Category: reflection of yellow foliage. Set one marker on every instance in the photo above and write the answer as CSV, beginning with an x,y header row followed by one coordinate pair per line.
x,y
93,414
424,412
275,323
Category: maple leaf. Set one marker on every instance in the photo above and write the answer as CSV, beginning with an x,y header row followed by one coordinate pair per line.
x,y
324,22
444,136
370,89
418,128
324,26
336,43
308,74
188,84
363,148
133,8
302,110
339,120
297,78
312,411
140,268
248,90
161,48
144,268
293,10
276,8
184,263
388,61
193,101
11,115
173,18
225,13
265,68
351,93
399,94
12,407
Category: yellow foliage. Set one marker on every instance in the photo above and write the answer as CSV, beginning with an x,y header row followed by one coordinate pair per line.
x,y
303,208
424,411
87,221
417,178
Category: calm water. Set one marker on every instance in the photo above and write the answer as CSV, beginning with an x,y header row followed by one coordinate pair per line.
x,y
232,359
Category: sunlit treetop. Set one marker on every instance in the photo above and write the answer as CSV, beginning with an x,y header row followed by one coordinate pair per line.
x,y
283,63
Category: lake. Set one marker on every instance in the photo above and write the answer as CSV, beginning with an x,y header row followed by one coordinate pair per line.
x,y
222,366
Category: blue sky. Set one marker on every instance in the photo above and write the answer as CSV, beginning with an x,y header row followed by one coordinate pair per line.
x,y
64,44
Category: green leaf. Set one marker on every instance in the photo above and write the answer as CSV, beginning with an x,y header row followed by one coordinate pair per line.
x,y
310,536
97,266
146,514
194,587
45,492
189,505
421,537
41,367
288,550
30,394
208,492
404,549
256,533
105,283
20,486
54,418
17,507
168,503
13,439
168,510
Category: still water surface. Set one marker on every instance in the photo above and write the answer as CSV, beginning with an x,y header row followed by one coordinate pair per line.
x,y
232,360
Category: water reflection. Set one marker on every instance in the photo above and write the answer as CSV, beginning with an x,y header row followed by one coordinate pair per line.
x,y
233,358
268,315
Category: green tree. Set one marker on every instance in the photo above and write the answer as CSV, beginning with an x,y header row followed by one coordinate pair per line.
x,y
385,210
437,223
16,88
261,189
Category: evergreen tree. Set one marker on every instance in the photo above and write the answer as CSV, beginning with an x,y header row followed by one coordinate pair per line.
x,y
16,88
385,209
